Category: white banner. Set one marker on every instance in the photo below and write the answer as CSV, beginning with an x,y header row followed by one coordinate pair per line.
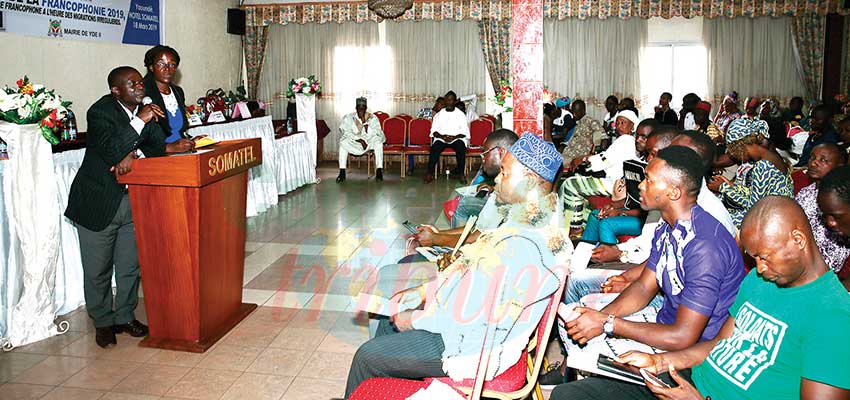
x,y
121,21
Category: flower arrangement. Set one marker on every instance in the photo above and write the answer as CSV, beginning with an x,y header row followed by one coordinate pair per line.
x,y
33,103
504,97
308,86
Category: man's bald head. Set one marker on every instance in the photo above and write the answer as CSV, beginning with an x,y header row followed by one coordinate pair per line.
x,y
777,234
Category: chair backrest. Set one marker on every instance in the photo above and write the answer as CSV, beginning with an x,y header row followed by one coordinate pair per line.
x,y
420,132
405,117
478,131
488,116
382,116
395,130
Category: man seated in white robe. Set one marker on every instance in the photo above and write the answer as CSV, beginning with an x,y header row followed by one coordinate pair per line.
x,y
360,132
450,129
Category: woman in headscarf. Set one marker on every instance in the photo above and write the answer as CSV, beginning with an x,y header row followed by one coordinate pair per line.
x,y
728,112
770,113
770,175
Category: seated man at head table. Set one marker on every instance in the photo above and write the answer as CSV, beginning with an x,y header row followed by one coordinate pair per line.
x,y
361,132
694,263
428,340
785,335
118,126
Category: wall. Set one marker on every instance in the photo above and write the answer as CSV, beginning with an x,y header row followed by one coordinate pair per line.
x,y
197,29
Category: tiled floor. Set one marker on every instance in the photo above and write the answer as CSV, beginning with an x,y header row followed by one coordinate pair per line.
x,y
304,259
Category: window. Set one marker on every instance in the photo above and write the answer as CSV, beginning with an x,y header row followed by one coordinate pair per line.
x,y
675,60
363,71
675,68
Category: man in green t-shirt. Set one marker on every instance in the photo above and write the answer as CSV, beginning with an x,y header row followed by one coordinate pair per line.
x,y
786,338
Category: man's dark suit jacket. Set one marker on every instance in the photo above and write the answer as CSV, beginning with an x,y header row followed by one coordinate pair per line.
x,y
95,193
153,92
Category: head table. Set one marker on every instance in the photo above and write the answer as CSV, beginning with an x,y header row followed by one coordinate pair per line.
x,y
286,167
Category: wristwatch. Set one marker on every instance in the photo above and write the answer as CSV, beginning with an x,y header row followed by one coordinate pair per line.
x,y
608,326
624,256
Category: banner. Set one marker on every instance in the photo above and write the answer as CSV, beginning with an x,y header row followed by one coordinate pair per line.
x,y
121,21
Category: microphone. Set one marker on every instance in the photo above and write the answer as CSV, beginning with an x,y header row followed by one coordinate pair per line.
x,y
147,100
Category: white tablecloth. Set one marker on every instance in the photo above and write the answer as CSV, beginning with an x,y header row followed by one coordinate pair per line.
x,y
286,163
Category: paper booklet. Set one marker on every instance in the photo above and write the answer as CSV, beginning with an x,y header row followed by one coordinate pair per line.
x,y
204,141
587,357
380,305
433,253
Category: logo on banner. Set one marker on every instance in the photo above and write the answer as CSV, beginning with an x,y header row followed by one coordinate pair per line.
x,y
55,28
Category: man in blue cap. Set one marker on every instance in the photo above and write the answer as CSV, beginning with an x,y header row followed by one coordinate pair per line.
x,y
445,334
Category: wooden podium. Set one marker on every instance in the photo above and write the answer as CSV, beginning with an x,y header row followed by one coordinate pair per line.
x,y
189,214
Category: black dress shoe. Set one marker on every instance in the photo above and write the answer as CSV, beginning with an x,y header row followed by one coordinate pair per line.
x,y
341,177
135,329
379,175
104,337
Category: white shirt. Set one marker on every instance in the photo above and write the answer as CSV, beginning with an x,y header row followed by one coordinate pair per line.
x,y
611,160
690,124
450,123
135,121
637,249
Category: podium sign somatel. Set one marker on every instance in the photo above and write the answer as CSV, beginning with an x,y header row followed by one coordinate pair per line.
x,y
189,215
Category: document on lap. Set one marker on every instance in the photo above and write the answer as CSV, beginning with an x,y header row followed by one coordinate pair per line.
x,y
586,358
380,305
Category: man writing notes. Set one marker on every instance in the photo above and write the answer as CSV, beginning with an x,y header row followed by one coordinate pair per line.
x,y
360,132
444,336
100,207
449,129
786,332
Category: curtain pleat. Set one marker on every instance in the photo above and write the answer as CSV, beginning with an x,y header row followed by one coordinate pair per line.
x,y
255,40
809,33
495,37
753,56
593,58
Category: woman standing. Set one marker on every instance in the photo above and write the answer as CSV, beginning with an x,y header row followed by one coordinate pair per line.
x,y
770,175
162,62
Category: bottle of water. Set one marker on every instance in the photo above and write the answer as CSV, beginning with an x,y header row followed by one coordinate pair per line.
x,y
72,126
288,126
3,150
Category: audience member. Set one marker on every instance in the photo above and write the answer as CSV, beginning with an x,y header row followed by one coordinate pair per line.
x,y
702,123
834,247
751,107
663,113
624,216
728,111
784,337
820,131
449,130
432,341
686,117
770,174
844,133
494,149
576,188
609,122
794,114
834,203
770,113
587,134
430,112
695,263
628,103
564,123
361,132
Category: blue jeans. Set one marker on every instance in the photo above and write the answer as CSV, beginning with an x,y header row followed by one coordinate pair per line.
x,y
606,230
467,207
589,281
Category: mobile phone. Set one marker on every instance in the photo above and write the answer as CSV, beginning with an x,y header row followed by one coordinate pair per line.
x,y
409,227
482,193
653,379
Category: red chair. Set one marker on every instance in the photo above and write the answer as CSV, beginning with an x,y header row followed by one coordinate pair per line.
x,y
405,117
800,180
514,383
418,138
382,116
395,130
478,131
490,117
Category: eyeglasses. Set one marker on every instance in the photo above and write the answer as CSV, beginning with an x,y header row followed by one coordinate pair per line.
x,y
484,154
162,65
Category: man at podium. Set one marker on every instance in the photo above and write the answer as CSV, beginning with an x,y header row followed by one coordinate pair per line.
x,y
118,126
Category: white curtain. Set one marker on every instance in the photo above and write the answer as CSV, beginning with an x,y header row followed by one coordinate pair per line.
x,y
593,58
753,56
399,66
